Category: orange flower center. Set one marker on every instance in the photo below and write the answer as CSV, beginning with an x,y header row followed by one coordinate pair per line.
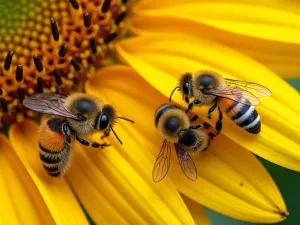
x,y
53,46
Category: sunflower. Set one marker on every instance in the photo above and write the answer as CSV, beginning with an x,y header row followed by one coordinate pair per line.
x,y
55,46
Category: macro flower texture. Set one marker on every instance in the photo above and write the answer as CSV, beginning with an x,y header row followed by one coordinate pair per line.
x,y
131,54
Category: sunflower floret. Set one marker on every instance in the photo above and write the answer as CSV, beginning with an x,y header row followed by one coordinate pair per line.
x,y
44,49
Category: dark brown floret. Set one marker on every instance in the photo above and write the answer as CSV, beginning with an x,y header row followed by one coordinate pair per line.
x,y
56,47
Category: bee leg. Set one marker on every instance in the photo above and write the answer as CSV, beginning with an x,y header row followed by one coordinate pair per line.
x,y
212,135
192,104
194,118
187,100
198,126
106,134
91,144
206,125
66,132
204,150
219,122
211,109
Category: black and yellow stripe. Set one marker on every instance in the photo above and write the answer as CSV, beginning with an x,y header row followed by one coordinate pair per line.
x,y
54,162
245,116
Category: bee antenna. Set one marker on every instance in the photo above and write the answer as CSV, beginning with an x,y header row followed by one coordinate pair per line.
x,y
116,136
123,118
177,87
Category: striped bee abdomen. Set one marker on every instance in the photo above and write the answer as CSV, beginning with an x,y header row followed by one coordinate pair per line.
x,y
54,150
55,163
245,116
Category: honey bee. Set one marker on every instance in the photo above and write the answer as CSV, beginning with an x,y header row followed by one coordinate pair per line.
x,y
174,126
235,98
75,115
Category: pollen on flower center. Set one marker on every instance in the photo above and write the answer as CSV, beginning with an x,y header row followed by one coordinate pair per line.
x,y
52,46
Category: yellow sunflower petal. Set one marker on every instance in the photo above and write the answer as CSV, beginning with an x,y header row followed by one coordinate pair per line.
x,y
261,22
128,168
199,215
238,178
126,196
56,193
21,202
95,191
161,62
225,181
154,4
267,33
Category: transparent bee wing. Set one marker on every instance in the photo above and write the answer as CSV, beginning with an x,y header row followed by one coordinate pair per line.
x,y
235,94
162,162
186,162
53,104
255,89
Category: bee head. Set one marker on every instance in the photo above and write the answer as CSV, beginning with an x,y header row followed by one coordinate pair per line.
x,y
106,119
188,138
194,140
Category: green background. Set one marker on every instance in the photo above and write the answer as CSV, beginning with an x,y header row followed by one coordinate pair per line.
x,y
288,182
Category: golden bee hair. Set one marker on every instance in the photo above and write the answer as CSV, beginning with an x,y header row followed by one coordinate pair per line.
x,y
202,141
173,111
55,152
218,80
96,106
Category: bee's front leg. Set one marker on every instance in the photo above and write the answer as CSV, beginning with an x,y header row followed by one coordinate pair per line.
x,y
219,122
66,132
91,144
211,109
198,126
106,134
212,135
192,104
194,118
187,100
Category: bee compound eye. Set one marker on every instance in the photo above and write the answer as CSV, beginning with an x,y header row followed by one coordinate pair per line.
x,y
186,88
104,122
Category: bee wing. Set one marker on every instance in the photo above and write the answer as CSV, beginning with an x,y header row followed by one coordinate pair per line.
x,y
53,104
255,89
162,162
186,162
235,94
